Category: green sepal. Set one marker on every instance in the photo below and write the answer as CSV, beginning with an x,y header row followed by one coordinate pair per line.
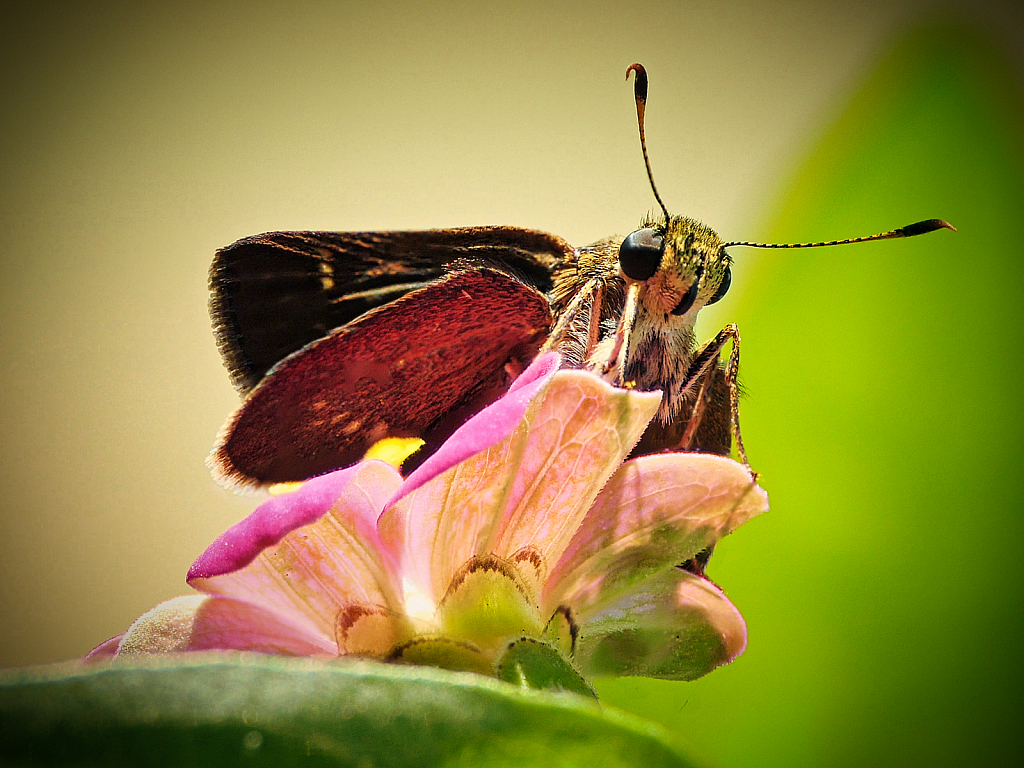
x,y
531,663
486,604
444,653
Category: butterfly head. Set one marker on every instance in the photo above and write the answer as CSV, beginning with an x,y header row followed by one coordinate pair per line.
x,y
680,262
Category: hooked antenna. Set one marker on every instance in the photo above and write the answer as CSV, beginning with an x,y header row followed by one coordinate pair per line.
x,y
640,94
920,228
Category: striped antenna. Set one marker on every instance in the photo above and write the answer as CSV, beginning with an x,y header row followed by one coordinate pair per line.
x,y
920,228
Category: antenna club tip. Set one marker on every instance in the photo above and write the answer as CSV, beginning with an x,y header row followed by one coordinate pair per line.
x,y
640,84
923,227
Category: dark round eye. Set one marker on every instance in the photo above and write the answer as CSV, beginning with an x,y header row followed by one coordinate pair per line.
x,y
723,287
640,254
688,298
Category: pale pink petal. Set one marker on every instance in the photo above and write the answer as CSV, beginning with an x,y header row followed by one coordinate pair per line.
x,y
656,512
421,523
105,650
442,524
304,566
488,427
529,490
579,436
679,627
203,623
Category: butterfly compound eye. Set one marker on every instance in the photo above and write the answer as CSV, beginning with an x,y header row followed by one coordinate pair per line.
x,y
640,254
723,287
688,298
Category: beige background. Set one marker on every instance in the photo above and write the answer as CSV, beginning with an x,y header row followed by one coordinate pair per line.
x,y
135,142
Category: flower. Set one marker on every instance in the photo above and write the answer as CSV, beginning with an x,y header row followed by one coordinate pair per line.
x,y
525,526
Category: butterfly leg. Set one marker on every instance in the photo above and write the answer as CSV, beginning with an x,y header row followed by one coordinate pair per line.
x,y
700,406
562,328
701,370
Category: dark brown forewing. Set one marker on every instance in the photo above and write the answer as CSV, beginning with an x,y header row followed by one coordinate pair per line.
x,y
274,293
400,370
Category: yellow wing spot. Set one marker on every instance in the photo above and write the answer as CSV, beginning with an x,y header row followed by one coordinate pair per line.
x,y
279,489
394,450
326,275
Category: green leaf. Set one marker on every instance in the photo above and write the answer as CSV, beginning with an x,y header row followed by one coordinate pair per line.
x,y
219,710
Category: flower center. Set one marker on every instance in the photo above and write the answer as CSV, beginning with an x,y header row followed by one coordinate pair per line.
x,y
487,603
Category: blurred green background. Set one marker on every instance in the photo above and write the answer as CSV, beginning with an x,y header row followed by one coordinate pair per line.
x,y
882,592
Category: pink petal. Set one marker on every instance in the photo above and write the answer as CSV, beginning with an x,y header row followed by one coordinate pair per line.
x,y
488,427
416,523
272,521
575,442
529,490
202,623
443,523
679,627
315,559
656,512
